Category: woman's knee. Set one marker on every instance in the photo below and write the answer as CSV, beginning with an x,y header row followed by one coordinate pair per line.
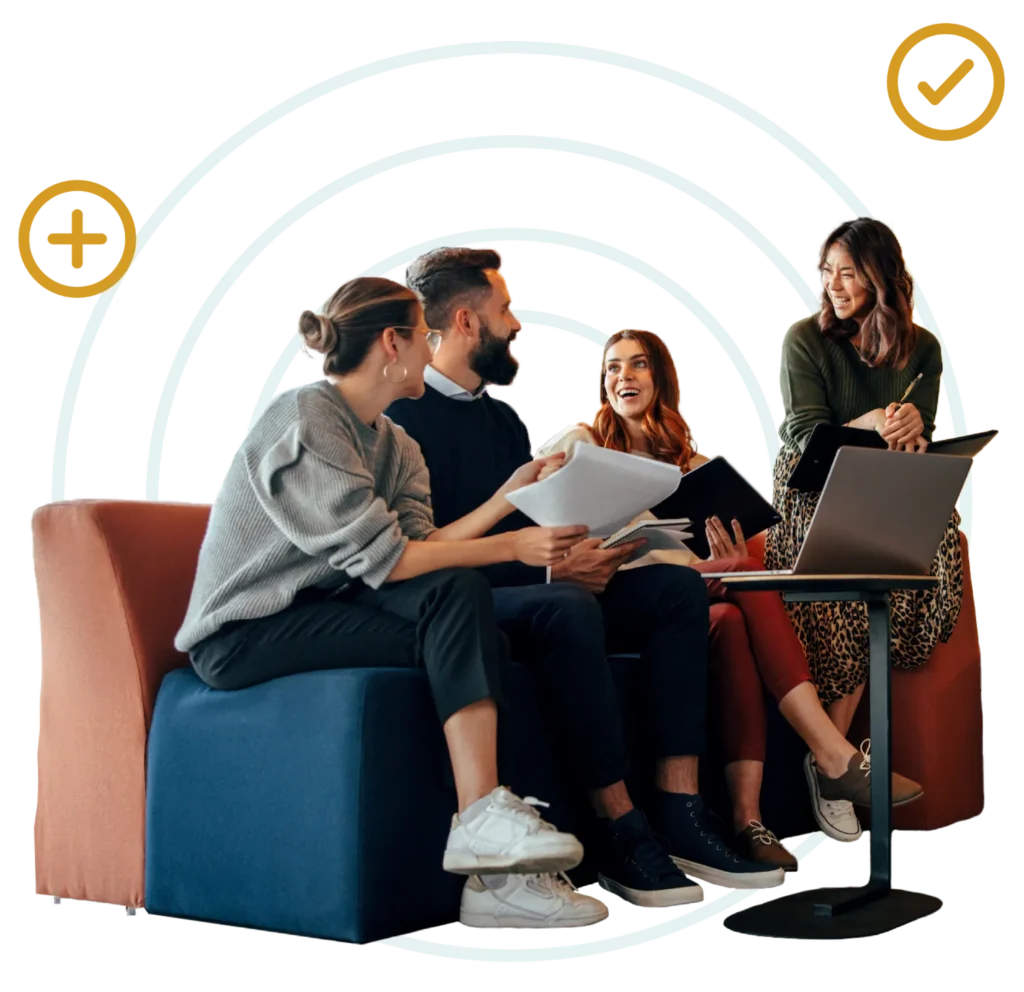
x,y
728,627
747,564
464,584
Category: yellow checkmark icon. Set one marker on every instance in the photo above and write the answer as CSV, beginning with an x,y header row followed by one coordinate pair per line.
x,y
935,97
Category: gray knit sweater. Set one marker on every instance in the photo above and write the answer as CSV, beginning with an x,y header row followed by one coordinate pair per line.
x,y
314,497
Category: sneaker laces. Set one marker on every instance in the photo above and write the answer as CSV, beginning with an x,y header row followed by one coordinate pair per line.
x,y
557,883
865,750
712,827
527,806
647,852
761,834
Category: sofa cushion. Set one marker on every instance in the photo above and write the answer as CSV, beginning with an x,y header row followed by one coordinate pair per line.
x,y
306,805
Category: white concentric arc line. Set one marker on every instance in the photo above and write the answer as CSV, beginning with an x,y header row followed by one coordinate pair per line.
x,y
495,55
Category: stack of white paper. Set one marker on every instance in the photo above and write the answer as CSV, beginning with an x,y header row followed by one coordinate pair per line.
x,y
601,488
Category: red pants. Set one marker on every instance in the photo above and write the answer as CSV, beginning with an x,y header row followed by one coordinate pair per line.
x,y
752,645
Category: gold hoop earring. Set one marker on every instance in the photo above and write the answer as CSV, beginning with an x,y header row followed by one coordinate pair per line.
x,y
394,364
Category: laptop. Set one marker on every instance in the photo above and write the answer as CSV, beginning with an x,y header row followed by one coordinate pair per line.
x,y
826,439
880,513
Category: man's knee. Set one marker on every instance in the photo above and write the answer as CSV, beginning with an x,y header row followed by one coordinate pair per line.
x,y
572,603
689,584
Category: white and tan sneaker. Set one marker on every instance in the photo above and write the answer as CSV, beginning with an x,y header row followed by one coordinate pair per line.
x,y
527,901
835,817
503,833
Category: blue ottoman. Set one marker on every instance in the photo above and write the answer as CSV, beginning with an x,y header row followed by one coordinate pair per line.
x,y
315,804
318,804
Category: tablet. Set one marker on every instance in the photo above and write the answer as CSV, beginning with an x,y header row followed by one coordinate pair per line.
x,y
716,489
969,444
816,462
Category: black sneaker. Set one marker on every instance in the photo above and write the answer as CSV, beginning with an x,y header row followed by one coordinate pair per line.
x,y
697,845
635,867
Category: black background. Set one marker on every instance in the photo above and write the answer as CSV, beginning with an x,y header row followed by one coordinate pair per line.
x,y
139,119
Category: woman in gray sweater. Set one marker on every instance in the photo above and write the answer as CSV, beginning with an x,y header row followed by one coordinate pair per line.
x,y
321,552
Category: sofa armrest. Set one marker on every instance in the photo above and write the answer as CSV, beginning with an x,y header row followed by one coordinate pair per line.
x,y
113,581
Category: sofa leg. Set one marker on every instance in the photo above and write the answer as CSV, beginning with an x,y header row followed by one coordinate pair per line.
x,y
129,910
56,900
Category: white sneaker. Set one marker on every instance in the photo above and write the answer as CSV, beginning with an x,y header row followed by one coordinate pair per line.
x,y
503,833
836,817
533,901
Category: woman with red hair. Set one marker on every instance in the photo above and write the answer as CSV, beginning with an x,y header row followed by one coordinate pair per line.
x,y
753,643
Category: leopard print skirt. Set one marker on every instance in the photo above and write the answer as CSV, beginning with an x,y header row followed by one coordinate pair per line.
x,y
835,634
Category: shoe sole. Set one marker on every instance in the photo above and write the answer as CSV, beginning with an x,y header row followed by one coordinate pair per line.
x,y
653,898
896,803
731,879
526,923
468,863
823,824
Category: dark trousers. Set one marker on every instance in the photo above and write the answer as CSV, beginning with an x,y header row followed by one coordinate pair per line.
x,y
564,633
442,622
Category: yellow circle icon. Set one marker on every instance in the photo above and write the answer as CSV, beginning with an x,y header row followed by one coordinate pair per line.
x,y
935,96
77,238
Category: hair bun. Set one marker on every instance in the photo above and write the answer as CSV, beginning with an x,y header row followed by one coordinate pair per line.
x,y
318,331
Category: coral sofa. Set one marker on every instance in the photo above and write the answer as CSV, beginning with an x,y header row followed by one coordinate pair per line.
x,y
285,806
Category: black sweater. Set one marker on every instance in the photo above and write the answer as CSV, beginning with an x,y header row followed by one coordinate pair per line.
x,y
471,447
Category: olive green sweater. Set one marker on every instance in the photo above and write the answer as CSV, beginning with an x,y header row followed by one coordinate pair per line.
x,y
825,382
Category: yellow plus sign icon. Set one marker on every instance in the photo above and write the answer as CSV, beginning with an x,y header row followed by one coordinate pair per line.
x,y
77,238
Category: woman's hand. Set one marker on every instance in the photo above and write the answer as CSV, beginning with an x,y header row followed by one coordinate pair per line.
x,y
721,544
903,424
918,446
873,420
546,545
550,469
531,472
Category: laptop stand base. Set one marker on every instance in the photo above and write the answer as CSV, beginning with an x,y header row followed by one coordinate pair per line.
x,y
834,914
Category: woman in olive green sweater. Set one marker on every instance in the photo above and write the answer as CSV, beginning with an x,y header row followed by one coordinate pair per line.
x,y
846,365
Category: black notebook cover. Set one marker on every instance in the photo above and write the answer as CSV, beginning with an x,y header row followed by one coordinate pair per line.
x,y
826,439
716,489
969,444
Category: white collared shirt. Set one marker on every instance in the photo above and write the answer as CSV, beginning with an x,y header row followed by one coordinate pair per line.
x,y
446,387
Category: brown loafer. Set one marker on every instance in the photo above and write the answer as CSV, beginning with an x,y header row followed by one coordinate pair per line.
x,y
855,783
756,842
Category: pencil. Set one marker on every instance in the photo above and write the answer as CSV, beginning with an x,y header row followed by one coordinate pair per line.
x,y
910,389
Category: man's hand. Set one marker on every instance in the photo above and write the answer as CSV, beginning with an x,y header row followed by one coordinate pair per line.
x,y
587,565
546,545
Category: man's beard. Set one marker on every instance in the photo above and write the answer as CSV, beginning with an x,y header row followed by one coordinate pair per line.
x,y
491,359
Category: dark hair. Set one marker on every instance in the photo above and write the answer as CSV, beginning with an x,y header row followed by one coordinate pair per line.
x,y
666,431
446,277
354,317
888,334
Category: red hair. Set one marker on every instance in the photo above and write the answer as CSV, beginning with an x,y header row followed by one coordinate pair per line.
x,y
668,436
